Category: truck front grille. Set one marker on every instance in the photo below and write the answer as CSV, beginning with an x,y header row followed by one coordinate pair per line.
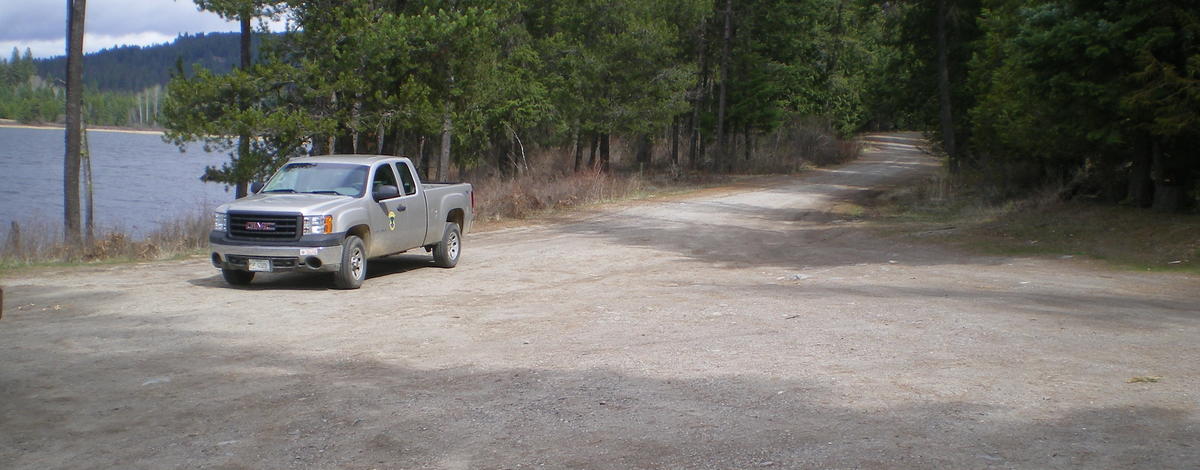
x,y
257,226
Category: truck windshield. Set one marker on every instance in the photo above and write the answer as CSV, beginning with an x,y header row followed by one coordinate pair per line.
x,y
346,179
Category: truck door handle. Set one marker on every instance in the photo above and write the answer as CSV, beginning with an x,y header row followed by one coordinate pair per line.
x,y
401,208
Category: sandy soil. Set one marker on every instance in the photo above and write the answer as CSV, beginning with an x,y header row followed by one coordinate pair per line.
x,y
745,328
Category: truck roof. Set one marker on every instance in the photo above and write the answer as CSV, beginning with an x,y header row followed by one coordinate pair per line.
x,y
359,159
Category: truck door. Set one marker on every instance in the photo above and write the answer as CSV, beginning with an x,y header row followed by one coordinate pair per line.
x,y
385,214
413,217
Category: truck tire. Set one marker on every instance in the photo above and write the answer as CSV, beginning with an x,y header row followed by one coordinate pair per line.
x,y
445,254
353,270
237,277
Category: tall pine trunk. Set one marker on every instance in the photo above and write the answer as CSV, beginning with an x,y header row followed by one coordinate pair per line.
x,y
1171,183
595,141
75,25
443,167
946,114
604,155
1140,189
645,149
694,140
675,141
89,203
578,148
426,174
728,37
240,190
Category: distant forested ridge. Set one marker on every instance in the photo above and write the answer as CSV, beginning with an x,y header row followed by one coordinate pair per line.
x,y
124,86
136,68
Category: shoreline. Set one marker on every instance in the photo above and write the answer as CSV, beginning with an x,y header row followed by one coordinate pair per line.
x,y
11,124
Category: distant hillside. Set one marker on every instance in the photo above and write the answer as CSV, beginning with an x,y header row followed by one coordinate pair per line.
x,y
135,68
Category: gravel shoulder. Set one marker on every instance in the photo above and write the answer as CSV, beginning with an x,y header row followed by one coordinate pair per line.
x,y
742,328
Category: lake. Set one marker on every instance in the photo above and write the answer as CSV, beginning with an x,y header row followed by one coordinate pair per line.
x,y
139,181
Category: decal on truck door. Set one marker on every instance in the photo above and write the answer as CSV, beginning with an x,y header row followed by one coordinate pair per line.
x,y
391,220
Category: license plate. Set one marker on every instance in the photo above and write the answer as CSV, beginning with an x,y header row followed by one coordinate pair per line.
x,y
260,265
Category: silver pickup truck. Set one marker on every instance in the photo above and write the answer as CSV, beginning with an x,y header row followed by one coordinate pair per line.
x,y
333,213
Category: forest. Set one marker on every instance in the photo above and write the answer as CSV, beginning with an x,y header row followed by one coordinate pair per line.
x,y
125,85
136,68
1098,98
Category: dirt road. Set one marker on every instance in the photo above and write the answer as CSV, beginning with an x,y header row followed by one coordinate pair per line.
x,y
743,328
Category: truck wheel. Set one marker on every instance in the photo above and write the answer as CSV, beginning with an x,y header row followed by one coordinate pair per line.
x,y
237,277
353,271
445,254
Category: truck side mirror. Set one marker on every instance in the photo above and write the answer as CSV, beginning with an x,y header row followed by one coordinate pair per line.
x,y
255,187
385,191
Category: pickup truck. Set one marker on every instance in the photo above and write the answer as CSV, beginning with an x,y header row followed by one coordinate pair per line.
x,y
332,213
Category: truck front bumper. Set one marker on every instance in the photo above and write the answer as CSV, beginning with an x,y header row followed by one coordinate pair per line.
x,y
309,254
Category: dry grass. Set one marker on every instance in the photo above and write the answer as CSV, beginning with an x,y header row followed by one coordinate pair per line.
x,y
41,244
1041,224
531,195
519,197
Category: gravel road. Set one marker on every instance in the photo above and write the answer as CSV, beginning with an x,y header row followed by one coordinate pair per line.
x,y
741,327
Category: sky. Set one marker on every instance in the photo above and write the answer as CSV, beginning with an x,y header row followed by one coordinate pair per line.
x,y
41,25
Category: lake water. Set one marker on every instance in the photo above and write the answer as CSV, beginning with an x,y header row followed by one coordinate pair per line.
x,y
139,181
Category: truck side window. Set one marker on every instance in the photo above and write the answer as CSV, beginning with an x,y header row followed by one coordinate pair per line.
x,y
406,177
383,176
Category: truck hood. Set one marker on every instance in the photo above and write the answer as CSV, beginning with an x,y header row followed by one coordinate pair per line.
x,y
307,204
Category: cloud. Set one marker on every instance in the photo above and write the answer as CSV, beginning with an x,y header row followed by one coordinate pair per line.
x,y
42,25
91,43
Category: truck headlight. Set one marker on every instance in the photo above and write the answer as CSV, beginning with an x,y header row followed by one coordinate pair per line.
x,y
220,222
318,224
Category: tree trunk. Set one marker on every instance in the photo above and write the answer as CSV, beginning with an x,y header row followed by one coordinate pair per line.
x,y
946,114
834,56
675,141
728,37
443,167
368,143
694,121
524,164
343,142
502,152
75,25
1170,183
1141,187
578,149
89,219
747,141
424,151
320,145
604,155
391,144
645,149
241,189
595,141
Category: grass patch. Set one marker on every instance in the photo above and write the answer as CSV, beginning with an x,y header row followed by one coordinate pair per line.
x,y
1041,225
41,245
